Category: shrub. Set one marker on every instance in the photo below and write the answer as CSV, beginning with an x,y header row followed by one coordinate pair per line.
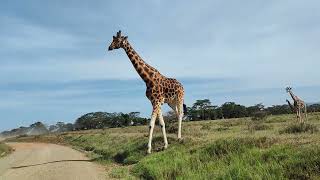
x,y
257,121
172,128
119,173
230,123
259,116
222,128
257,126
89,148
299,128
4,149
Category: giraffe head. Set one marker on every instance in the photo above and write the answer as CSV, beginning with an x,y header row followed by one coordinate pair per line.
x,y
288,89
118,41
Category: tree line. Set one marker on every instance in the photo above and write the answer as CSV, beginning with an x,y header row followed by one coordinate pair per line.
x,y
202,109
100,120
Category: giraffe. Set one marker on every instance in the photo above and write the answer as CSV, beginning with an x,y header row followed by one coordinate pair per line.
x,y
298,106
159,89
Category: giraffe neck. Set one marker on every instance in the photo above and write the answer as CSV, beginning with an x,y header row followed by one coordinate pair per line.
x,y
291,106
292,96
146,72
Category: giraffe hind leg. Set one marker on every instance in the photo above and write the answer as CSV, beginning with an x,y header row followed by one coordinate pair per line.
x,y
163,128
300,118
180,116
306,113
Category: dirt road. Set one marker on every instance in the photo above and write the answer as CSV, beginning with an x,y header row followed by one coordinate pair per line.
x,y
37,161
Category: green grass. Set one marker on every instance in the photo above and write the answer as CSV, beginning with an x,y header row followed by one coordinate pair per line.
x,y
4,149
222,149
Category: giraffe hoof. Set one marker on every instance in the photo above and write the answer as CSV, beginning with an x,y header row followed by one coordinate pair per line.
x,y
149,151
165,147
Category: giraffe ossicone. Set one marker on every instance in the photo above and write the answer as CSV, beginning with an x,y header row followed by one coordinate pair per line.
x,y
159,89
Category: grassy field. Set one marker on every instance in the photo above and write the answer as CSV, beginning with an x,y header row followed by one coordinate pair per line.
x,y
275,148
4,149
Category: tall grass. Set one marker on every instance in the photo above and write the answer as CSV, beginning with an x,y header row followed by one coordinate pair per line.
x,y
233,159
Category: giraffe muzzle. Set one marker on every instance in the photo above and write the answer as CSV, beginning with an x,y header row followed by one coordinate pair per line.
x,y
110,48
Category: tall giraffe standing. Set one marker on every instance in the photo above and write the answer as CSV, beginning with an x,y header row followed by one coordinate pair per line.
x,y
298,106
160,89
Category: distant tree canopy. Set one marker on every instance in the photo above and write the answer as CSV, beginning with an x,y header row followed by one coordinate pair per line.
x,y
98,120
313,108
233,110
202,110
61,127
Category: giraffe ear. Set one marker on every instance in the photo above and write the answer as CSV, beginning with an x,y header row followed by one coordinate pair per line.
x,y
113,37
126,37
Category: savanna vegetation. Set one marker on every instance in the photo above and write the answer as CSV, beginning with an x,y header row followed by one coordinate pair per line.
x,y
202,109
259,147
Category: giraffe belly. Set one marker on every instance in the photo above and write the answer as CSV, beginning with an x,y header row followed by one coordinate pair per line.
x,y
170,99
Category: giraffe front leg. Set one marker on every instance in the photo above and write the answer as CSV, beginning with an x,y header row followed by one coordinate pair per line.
x,y
297,113
306,113
151,127
180,116
163,128
300,116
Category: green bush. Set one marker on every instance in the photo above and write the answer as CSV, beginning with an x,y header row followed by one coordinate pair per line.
x,y
299,128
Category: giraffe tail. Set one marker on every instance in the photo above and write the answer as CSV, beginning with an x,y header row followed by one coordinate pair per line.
x,y
185,110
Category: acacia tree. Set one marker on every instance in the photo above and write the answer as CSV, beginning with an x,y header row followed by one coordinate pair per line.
x,y
233,110
202,110
251,110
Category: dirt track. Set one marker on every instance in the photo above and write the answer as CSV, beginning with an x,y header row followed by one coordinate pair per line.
x,y
37,161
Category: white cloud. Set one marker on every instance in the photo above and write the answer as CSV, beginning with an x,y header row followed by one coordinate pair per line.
x,y
261,44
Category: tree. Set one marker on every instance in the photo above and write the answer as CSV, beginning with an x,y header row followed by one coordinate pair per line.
x,y
98,120
233,110
279,109
313,108
251,110
91,121
202,110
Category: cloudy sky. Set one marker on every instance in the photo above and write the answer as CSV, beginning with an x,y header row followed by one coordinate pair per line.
x,y
55,67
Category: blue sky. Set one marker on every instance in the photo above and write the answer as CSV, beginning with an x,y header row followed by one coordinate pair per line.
x,y
55,67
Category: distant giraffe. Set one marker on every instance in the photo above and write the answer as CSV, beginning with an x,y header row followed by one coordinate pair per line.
x,y
160,89
298,106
